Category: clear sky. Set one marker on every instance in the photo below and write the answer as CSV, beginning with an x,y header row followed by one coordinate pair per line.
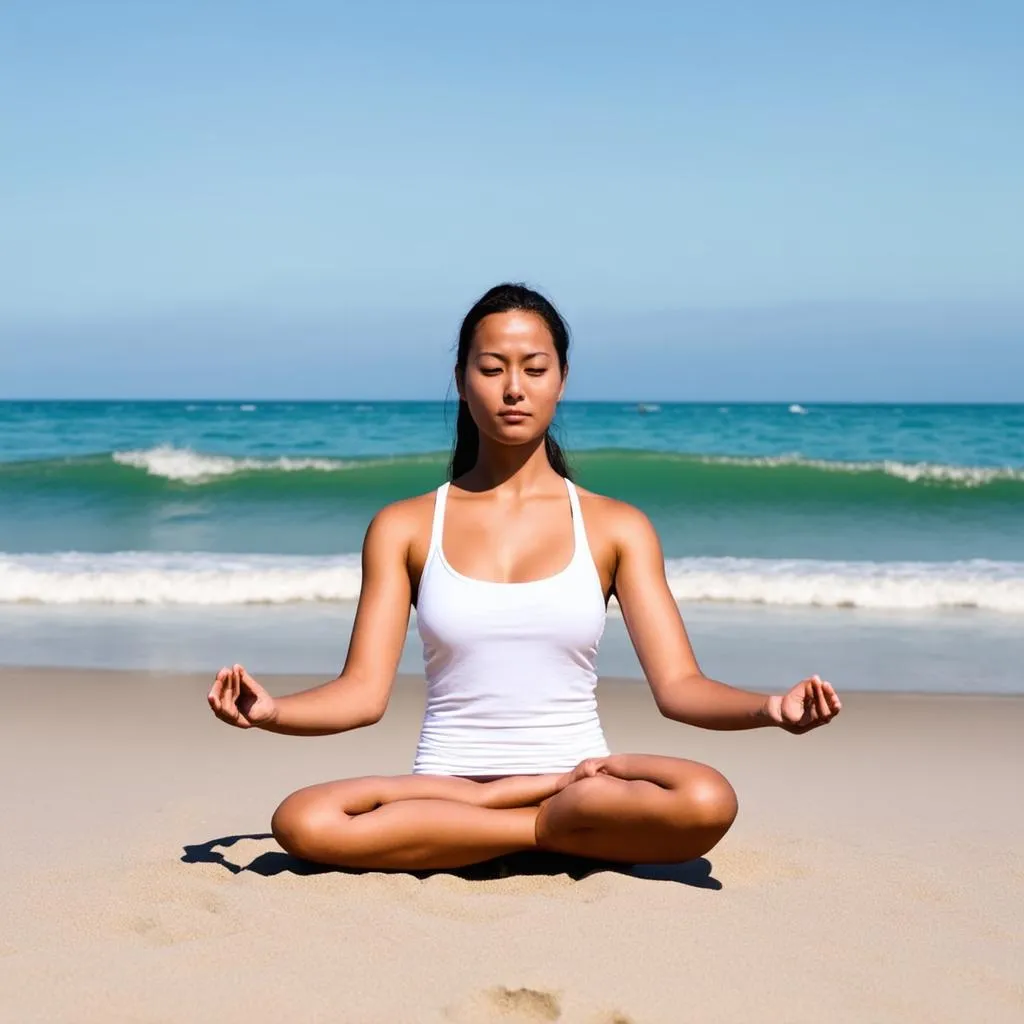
x,y
727,200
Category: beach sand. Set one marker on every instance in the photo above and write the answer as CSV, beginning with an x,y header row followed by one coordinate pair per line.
x,y
875,873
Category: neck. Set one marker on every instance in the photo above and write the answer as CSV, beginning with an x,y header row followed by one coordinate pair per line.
x,y
519,468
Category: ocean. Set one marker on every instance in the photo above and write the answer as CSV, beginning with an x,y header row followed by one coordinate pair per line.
x,y
168,511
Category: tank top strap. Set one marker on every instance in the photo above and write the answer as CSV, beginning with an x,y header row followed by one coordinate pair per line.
x,y
579,532
437,526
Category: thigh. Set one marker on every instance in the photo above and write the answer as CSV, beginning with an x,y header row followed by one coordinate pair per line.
x,y
368,792
404,821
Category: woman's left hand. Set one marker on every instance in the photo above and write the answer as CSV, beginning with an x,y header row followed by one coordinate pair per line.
x,y
812,702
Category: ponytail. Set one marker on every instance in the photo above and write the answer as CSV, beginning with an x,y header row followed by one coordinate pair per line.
x,y
556,456
467,443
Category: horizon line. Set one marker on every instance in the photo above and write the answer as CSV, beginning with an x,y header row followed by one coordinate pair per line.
x,y
639,402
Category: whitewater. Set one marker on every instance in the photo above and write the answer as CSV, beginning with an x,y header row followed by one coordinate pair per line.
x,y
184,578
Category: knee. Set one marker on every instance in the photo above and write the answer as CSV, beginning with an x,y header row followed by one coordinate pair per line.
x,y
298,822
709,800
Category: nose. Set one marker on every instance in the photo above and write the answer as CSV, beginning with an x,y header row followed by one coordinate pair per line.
x,y
514,387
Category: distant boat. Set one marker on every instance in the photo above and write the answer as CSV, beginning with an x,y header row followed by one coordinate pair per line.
x,y
798,409
647,407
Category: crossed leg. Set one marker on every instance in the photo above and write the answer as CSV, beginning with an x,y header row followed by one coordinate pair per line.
x,y
641,808
401,821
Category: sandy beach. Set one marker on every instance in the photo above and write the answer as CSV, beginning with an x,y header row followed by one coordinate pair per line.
x,y
874,873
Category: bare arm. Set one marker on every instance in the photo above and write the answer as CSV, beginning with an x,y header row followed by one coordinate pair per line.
x,y
681,691
359,695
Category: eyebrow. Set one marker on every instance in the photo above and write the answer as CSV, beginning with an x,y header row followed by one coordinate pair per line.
x,y
504,359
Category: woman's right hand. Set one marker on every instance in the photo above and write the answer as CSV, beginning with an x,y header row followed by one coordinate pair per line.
x,y
587,768
236,698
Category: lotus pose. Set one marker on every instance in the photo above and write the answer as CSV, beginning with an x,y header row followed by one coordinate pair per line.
x,y
510,567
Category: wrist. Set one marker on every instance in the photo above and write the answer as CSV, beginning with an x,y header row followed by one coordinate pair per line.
x,y
271,719
770,711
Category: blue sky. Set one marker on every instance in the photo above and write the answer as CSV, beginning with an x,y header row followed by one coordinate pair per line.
x,y
730,200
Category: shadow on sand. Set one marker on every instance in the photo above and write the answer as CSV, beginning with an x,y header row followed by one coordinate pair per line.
x,y
528,862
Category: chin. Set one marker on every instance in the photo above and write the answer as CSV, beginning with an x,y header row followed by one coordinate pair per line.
x,y
516,433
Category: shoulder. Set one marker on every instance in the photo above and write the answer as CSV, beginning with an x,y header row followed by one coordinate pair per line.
x,y
401,522
624,524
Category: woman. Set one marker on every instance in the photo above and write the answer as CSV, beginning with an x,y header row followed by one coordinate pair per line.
x,y
511,567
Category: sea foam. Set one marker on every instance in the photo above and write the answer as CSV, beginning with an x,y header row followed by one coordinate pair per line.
x,y
966,476
190,466
973,583
193,467
223,579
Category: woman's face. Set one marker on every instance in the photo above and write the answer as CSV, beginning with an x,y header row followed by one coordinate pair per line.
x,y
512,381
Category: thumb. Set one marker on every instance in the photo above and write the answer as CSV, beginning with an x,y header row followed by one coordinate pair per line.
x,y
262,709
256,688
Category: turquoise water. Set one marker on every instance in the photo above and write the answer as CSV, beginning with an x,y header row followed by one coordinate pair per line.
x,y
193,503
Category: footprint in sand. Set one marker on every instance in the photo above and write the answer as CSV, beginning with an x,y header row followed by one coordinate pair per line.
x,y
511,1005
522,1006
526,1003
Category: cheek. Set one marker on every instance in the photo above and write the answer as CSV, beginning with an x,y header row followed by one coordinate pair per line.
x,y
546,388
480,389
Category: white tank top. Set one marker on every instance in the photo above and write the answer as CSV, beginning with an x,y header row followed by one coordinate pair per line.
x,y
509,666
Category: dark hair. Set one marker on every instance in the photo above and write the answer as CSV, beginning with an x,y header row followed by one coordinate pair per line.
x,y
504,298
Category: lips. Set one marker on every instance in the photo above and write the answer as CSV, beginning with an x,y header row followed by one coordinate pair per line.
x,y
514,417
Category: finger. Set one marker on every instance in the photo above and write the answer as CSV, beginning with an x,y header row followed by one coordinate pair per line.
x,y
227,716
216,694
221,700
236,685
229,701
248,680
246,684
833,698
807,726
218,680
225,692
224,713
810,703
821,704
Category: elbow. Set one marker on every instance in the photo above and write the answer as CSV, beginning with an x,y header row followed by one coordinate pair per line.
x,y
676,711
674,697
373,713
667,712
364,703
664,708
664,705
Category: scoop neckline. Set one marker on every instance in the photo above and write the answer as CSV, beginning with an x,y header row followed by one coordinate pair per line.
x,y
513,583
505,583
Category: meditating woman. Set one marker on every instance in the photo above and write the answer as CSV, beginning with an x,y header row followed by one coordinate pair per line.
x,y
510,567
